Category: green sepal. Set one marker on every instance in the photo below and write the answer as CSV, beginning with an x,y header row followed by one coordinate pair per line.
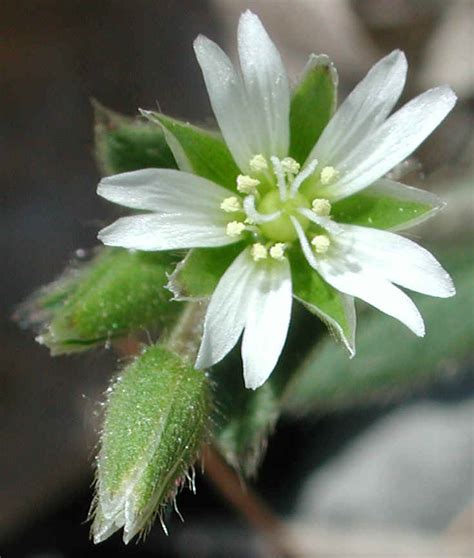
x,y
389,205
118,292
200,271
335,309
390,359
156,422
125,144
312,105
198,151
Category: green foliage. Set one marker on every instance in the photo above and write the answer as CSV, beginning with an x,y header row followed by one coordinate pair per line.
x,y
156,422
125,144
390,357
243,419
198,151
312,105
198,274
116,293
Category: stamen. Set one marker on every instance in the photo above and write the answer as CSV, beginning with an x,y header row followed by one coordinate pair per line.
x,y
231,204
325,222
258,163
277,251
290,166
329,175
246,184
280,176
256,216
234,228
303,175
321,207
258,252
321,243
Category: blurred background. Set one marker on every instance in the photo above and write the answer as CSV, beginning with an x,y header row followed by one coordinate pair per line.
x,y
398,464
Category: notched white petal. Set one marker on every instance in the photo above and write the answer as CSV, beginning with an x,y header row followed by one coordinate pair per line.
x,y
397,259
267,321
266,85
227,311
393,141
363,110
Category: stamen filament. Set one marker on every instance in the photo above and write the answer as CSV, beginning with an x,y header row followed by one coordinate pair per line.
x,y
324,222
280,176
302,176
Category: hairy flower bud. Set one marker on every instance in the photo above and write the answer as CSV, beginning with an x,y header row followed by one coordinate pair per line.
x,y
155,425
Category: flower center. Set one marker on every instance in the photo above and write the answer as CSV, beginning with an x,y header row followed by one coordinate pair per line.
x,y
278,205
281,229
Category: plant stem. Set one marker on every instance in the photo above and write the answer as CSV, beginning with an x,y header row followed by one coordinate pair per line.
x,y
255,511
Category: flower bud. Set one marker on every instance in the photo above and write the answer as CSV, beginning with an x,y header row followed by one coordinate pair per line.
x,y
156,422
116,293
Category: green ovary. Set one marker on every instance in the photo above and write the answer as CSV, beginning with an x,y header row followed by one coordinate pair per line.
x,y
281,229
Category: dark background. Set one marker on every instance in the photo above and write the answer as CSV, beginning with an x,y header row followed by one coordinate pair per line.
x,y
55,56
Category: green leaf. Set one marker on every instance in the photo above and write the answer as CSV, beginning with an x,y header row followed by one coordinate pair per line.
x,y
116,293
389,357
312,105
125,144
156,422
200,271
388,205
198,151
335,309
243,419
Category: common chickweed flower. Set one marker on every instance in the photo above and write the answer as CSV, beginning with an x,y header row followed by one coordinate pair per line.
x,y
305,227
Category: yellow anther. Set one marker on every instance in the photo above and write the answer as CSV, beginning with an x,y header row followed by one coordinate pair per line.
x,y
258,252
277,251
246,184
328,175
231,204
234,228
249,221
258,163
321,207
321,243
290,166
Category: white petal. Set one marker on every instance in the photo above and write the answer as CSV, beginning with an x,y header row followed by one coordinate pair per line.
x,y
364,110
347,275
267,87
268,318
392,142
381,294
226,315
228,100
165,232
164,190
397,190
397,259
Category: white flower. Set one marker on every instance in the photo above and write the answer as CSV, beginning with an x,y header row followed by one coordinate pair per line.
x,y
284,206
